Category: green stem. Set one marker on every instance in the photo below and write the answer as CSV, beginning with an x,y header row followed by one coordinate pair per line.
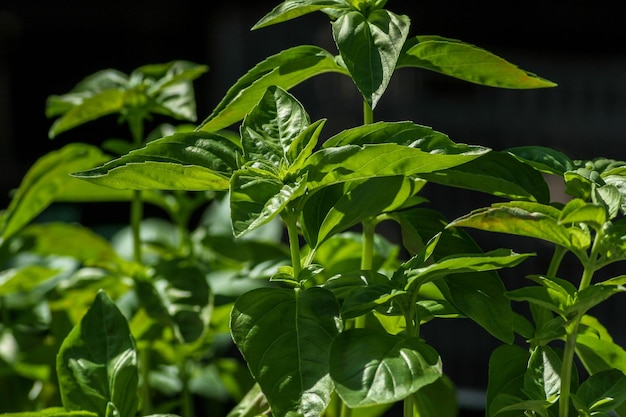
x,y
367,251
136,215
368,113
291,220
555,262
409,404
571,330
567,366
187,403
135,125
146,399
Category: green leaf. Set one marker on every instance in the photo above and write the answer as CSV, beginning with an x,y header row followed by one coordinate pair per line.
x,y
285,69
191,161
526,219
603,391
438,399
481,297
542,380
372,367
599,354
102,104
171,88
592,296
65,239
108,79
178,294
370,46
361,291
467,62
256,197
51,412
158,88
462,263
285,337
45,180
544,159
402,133
271,127
507,365
351,162
497,173
291,9
97,362
577,211
336,208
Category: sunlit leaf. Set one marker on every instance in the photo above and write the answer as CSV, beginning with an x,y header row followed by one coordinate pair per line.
x,y
271,127
526,219
370,46
183,161
285,69
467,62
285,337
371,367
291,9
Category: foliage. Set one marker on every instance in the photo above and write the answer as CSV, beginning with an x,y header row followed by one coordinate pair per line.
x,y
328,320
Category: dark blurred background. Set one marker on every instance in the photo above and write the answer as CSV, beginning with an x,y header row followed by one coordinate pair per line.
x,y
46,47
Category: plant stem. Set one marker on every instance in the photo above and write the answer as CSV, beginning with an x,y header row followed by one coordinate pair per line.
x,y
135,125
187,405
136,214
291,220
571,330
368,113
555,262
146,400
566,367
367,251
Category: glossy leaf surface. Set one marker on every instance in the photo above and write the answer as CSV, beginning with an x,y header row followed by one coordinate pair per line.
x,y
370,367
285,337
193,161
285,69
370,45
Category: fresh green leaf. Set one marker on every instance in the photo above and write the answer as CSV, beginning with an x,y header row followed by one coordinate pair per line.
x,y
256,197
544,159
52,412
456,264
370,46
507,365
271,127
183,161
285,337
542,380
178,294
603,391
285,69
496,173
336,208
351,162
438,399
97,362
45,180
467,62
372,367
291,9
526,219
